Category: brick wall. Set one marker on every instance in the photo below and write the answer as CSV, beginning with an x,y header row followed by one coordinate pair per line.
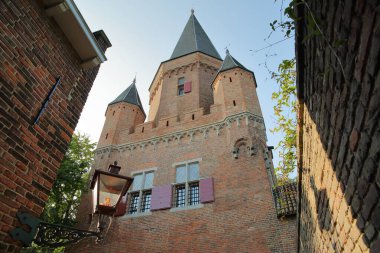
x,y
33,53
339,152
198,68
243,216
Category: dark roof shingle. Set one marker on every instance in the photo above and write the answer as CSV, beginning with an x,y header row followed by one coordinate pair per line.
x,y
194,39
130,95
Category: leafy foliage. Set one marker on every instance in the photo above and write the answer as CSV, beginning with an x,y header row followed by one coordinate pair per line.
x,y
71,181
285,113
286,24
285,109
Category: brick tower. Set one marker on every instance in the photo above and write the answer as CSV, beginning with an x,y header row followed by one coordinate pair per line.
x,y
202,171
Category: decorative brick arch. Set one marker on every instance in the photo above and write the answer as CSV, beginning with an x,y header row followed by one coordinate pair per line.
x,y
249,145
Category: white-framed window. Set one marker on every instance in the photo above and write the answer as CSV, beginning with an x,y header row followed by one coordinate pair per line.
x,y
181,86
186,188
141,194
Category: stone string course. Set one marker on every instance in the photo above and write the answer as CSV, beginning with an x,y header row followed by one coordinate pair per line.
x,y
204,131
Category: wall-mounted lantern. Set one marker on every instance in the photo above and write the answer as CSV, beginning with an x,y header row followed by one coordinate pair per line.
x,y
108,189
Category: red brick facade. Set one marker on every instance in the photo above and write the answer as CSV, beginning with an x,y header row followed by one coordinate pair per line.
x,y
217,125
33,54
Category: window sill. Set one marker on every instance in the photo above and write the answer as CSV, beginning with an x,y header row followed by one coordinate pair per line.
x,y
177,209
135,215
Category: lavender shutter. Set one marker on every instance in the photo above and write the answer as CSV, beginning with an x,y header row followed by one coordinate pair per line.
x,y
161,197
206,190
187,87
121,208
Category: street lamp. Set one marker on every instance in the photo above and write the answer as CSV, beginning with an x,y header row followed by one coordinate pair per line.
x,y
107,188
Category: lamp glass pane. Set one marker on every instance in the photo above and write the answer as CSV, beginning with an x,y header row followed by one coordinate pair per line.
x,y
110,189
95,197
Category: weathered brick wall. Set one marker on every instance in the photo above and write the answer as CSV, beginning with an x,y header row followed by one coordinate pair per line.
x,y
33,53
339,141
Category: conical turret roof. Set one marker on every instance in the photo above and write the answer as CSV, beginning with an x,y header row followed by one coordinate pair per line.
x,y
230,63
130,95
194,39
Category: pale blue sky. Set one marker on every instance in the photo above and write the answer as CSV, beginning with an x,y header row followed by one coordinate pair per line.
x,y
144,33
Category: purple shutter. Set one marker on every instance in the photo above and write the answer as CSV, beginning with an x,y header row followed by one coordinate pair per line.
x,y
187,87
121,208
161,197
206,190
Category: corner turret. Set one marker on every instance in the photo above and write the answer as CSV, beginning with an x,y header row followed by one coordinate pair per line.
x,y
234,88
122,116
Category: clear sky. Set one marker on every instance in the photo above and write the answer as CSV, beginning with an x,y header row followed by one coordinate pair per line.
x,y
144,33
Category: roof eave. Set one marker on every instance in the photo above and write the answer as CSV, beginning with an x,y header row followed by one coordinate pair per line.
x,y
76,30
139,106
236,67
197,51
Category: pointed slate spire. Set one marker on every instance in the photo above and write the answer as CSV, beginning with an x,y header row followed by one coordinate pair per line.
x,y
230,63
194,39
130,95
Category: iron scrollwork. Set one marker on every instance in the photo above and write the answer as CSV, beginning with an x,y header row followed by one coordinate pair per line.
x,y
58,235
47,234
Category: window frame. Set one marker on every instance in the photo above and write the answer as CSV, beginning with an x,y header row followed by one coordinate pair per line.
x,y
187,184
141,193
181,86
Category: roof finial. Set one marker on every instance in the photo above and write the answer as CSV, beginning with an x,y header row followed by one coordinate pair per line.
x,y
192,11
134,79
227,51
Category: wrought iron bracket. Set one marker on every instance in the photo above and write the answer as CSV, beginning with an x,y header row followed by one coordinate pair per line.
x,y
47,234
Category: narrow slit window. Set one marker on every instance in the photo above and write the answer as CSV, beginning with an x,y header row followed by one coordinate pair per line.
x,y
142,130
106,136
113,113
192,117
230,79
234,103
167,123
